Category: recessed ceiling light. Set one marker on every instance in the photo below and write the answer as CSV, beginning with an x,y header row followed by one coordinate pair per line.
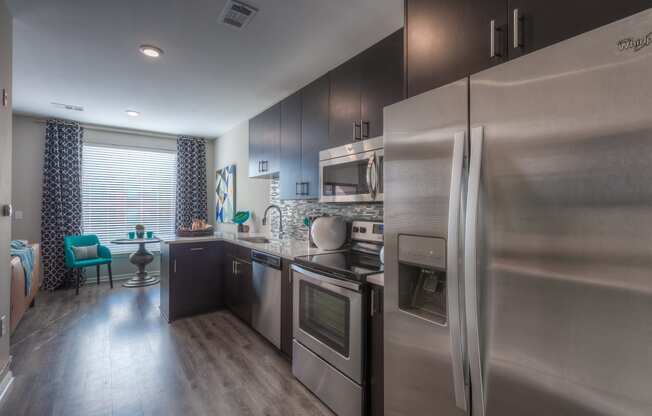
x,y
132,113
151,51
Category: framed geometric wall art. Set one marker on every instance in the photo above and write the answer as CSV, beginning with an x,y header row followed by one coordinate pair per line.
x,y
225,194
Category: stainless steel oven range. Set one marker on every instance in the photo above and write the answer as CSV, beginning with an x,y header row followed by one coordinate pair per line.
x,y
329,323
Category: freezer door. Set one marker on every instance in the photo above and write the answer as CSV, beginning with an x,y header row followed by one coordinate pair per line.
x,y
559,237
425,140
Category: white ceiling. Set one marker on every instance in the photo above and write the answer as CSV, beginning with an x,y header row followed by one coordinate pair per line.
x,y
211,77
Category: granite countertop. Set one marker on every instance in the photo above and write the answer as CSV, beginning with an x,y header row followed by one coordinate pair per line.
x,y
377,279
288,249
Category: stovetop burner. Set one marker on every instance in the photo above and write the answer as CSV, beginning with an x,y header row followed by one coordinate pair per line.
x,y
350,264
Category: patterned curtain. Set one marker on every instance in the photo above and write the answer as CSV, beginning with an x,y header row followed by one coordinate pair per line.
x,y
61,209
192,197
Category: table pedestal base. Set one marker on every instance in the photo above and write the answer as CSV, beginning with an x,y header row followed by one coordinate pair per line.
x,y
140,259
138,282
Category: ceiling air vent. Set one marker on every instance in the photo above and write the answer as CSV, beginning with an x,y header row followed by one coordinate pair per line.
x,y
237,14
68,107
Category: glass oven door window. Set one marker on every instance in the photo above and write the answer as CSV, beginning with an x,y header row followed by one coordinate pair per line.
x,y
325,316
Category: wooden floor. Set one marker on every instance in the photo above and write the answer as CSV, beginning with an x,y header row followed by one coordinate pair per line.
x,y
108,352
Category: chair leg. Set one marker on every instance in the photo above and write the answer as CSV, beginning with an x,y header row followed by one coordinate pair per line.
x,y
98,274
110,276
77,275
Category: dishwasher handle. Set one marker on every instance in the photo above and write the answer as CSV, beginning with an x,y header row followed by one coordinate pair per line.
x,y
266,259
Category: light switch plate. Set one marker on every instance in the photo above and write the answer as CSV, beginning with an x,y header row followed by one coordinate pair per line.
x,y
18,215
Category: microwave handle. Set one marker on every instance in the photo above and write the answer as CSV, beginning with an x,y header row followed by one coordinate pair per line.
x,y
372,176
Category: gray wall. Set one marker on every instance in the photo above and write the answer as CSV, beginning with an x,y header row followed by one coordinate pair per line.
x,y
5,182
251,194
28,149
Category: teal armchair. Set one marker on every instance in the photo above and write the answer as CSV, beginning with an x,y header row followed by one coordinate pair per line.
x,y
103,256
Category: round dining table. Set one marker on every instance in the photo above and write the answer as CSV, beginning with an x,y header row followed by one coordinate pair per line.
x,y
140,259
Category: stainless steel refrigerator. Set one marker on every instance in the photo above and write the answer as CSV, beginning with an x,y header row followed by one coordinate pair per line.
x,y
518,235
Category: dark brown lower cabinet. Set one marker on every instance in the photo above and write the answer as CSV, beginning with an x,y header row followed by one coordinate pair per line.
x,y
286,309
239,283
376,377
191,281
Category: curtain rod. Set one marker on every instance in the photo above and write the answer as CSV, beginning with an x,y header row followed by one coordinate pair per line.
x,y
97,127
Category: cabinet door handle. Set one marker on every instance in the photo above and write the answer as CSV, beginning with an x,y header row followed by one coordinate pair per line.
x,y
307,189
174,267
357,131
517,30
197,249
297,191
373,302
492,49
365,127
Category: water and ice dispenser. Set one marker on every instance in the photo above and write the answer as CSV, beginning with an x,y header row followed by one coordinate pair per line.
x,y
422,277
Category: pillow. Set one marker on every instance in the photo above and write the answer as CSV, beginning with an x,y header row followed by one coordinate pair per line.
x,y
85,252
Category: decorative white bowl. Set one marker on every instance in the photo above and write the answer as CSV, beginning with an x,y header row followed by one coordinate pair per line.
x,y
328,233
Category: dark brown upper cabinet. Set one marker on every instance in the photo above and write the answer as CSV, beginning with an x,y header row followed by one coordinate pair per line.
x,y
345,95
535,24
447,40
264,143
381,82
315,100
360,89
290,181
304,133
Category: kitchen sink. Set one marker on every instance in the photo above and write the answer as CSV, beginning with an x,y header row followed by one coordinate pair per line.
x,y
256,240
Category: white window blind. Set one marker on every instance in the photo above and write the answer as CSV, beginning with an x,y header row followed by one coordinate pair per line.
x,y
122,187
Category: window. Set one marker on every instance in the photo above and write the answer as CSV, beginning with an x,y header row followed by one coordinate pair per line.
x,y
122,187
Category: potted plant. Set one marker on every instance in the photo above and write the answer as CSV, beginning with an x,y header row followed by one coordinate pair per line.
x,y
140,231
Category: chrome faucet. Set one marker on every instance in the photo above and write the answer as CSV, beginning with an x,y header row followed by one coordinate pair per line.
x,y
280,218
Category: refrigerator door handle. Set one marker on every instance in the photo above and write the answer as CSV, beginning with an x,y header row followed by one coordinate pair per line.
x,y
453,272
470,272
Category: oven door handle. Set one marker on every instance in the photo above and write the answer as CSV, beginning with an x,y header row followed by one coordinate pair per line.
x,y
335,282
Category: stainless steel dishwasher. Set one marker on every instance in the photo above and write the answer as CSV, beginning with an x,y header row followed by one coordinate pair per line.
x,y
266,308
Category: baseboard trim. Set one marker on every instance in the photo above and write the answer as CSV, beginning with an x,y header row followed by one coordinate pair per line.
x,y
7,380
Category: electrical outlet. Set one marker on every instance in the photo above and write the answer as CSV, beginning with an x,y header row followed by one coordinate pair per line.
x,y
3,326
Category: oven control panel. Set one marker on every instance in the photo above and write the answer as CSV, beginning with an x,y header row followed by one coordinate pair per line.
x,y
367,231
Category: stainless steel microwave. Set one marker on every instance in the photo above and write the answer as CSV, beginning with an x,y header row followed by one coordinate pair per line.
x,y
352,173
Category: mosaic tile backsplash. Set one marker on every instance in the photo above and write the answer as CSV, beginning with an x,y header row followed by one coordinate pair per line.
x,y
294,211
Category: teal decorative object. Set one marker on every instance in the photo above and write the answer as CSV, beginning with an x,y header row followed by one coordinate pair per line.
x,y
241,217
306,222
